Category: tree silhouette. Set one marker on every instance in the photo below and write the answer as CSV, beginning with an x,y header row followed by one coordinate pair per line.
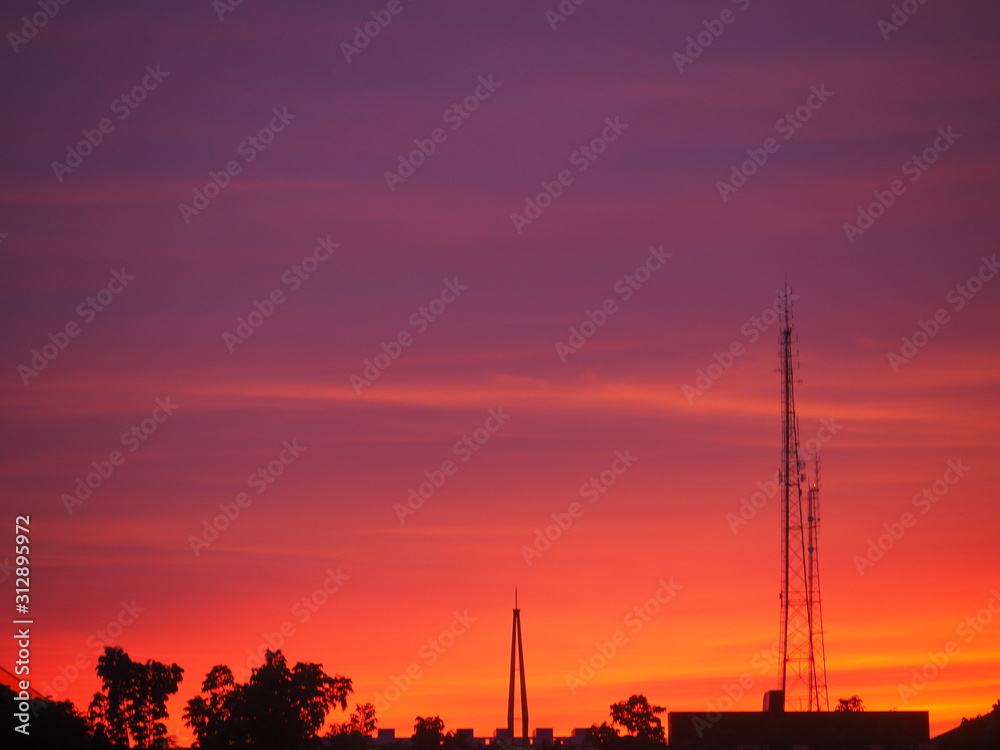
x,y
277,708
356,733
428,733
210,714
850,705
602,736
640,720
134,699
363,721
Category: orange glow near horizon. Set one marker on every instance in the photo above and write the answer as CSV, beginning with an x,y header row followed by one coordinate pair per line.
x,y
687,655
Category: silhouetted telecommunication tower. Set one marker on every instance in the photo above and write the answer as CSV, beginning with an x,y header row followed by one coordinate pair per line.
x,y
803,662
517,667
819,701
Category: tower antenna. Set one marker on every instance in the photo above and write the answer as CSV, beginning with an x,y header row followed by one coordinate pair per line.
x,y
803,660
517,668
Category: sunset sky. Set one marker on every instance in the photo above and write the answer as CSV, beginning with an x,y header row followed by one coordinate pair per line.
x,y
505,250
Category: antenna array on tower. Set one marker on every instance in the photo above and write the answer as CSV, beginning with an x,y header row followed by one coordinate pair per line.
x,y
803,660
